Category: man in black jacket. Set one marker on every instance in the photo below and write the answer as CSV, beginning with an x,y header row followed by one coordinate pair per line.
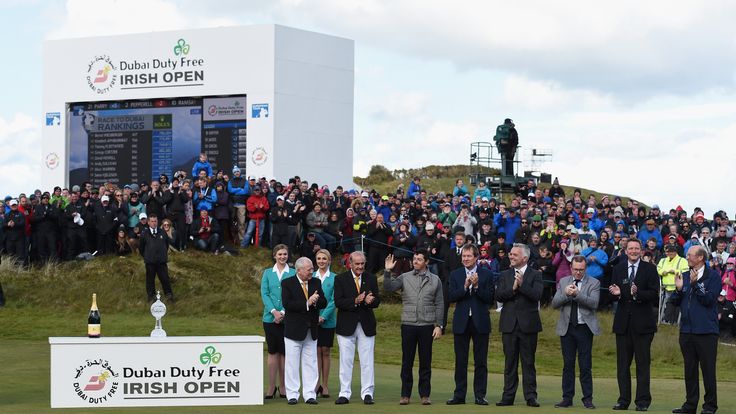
x,y
45,227
154,247
75,220
519,289
106,221
14,229
155,199
206,233
175,208
356,295
303,298
635,286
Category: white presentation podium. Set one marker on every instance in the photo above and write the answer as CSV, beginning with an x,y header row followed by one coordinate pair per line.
x,y
142,371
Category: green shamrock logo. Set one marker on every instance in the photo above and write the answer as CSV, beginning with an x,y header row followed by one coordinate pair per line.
x,y
181,48
210,355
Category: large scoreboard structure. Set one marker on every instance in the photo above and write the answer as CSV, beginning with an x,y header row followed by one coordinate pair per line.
x,y
272,100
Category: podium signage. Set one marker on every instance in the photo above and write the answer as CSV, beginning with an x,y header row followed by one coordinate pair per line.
x,y
178,371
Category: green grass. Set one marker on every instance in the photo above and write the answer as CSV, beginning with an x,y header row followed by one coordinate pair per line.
x,y
221,296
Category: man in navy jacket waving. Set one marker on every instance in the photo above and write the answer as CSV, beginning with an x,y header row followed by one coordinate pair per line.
x,y
697,295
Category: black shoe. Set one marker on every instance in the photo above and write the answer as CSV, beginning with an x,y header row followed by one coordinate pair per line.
x,y
342,400
532,402
312,401
272,395
588,404
563,404
683,410
642,408
170,297
709,411
368,400
503,403
292,401
455,401
481,401
620,407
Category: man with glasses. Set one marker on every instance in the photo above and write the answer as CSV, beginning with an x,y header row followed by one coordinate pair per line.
x,y
577,300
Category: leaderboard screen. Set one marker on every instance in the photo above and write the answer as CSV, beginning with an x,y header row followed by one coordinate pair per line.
x,y
127,142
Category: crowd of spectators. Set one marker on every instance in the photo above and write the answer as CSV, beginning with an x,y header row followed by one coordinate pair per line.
x,y
217,212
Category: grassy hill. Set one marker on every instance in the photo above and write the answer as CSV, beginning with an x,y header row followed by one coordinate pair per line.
x,y
443,177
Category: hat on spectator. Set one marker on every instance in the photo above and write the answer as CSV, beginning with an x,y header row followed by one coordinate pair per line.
x,y
731,260
384,198
694,235
75,189
484,199
523,201
700,215
672,236
573,231
142,216
105,198
590,210
655,207
537,217
530,195
501,235
570,227
364,194
651,221
236,169
251,178
280,198
13,202
670,248
429,226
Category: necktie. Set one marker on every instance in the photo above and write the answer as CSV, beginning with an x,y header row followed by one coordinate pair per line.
x,y
357,283
632,273
304,288
458,250
574,308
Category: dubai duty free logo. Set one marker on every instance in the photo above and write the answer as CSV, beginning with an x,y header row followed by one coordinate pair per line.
x,y
95,381
101,76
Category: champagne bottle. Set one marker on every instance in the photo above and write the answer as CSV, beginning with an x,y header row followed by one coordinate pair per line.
x,y
93,321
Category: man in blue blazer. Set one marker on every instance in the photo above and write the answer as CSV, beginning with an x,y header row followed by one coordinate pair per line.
x,y
471,289
697,296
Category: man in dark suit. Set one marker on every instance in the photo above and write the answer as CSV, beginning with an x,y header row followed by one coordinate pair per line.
x,y
453,261
697,296
635,286
471,289
577,299
356,295
302,297
154,248
519,290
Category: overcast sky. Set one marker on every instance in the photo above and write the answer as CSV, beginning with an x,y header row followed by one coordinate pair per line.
x,y
633,98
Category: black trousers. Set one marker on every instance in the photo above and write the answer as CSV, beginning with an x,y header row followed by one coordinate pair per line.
x,y
519,345
634,346
699,351
480,358
413,337
162,270
578,341
105,243
180,225
2,296
46,245
17,248
76,242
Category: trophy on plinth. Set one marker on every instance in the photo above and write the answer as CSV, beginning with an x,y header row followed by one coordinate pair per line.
x,y
158,310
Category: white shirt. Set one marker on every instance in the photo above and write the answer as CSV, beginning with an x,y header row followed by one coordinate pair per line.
x,y
700,272
636,267
280,274
521,270
321,276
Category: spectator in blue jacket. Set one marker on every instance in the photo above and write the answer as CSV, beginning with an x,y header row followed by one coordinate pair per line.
x,y
414,188
460,189
650,230
202,164
482,191
595,258
507,222
384,209
204,196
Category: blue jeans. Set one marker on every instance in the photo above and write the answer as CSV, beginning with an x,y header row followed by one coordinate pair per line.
x,y
325,240
251,229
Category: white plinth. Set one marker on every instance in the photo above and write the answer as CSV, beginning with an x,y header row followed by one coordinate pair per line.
x,y
142,371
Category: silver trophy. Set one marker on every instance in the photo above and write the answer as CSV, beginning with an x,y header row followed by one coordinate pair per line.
x,y
158,310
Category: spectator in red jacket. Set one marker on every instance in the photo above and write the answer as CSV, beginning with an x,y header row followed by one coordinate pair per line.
x,y
257,206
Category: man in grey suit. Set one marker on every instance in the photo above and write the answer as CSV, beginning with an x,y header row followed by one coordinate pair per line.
x,y
577,298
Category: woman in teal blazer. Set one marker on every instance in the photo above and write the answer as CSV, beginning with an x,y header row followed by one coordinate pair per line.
x,y
273,317
327,320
